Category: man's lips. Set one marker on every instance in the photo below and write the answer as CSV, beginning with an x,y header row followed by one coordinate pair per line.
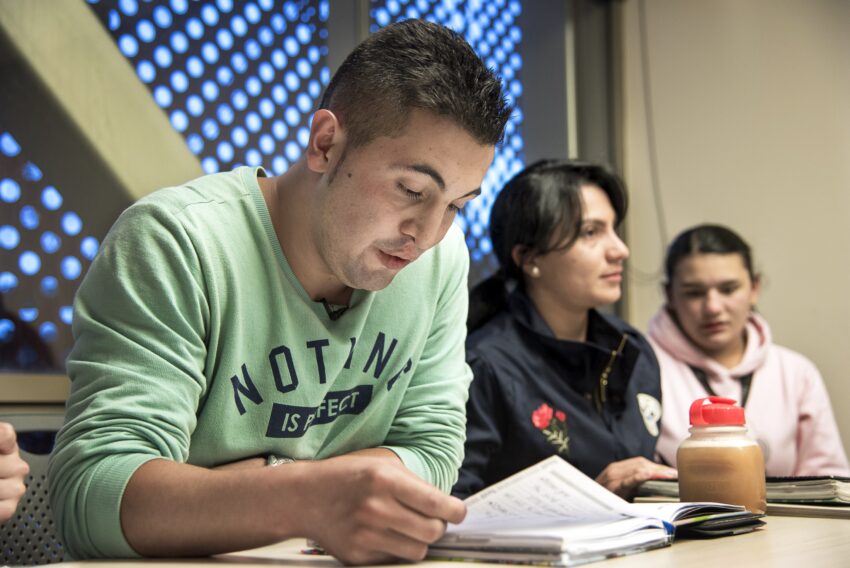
x,y
395,261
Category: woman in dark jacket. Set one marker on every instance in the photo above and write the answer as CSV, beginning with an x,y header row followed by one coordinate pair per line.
x,y
553,375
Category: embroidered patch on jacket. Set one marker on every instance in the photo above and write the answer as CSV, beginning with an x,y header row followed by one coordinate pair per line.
x,y
650,409
553,424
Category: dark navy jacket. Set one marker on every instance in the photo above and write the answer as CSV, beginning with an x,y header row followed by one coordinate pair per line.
x,y
534,396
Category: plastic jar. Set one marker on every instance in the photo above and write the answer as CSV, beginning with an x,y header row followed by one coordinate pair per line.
x,y
719,462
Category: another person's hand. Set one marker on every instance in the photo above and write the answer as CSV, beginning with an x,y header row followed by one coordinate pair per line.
x,y
367,510
623,477
13,470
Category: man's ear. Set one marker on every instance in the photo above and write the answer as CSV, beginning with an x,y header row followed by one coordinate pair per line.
x,y
326,139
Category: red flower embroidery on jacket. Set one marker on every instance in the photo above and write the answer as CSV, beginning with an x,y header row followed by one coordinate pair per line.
x,y
552,424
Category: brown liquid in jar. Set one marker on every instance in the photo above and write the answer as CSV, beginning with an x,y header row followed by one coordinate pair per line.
x,y
733,475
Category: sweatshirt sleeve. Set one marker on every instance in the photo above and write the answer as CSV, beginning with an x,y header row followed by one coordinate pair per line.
x,y
819,447
136,368
430,427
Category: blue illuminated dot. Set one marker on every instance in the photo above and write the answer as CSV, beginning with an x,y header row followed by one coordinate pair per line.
x,y
195,66
324,10
128,45
314,88
239,62
194,28
252,13
129,7
209,15
239,136
51,198
225,114
224,38
114,21
49,284
224,76
382,17
66,314
303,68
291,81
162,96
266,144
209,165
279,94
253,157
89,247
278,59
10,191
224,151
146,71
146,31
71,267
279,165
195,143
304,102
313,54
195,105
29,217
28,314
71,223
29,262
31,172
8,281
239,25
266,108
179,6
162,56
9,237
50,242
224,5
516,89
266,72
325,75
7,330
292,150
253,86
266,36
179,81
253,122
161,16
266,5
302,32
239,99
209,90
290,45
393,7
290,10
278,23
209,52
279,129
303,136
179,42
291,116
253,49
47,331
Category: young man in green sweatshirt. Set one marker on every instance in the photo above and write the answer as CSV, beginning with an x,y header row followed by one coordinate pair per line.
x,y
318,315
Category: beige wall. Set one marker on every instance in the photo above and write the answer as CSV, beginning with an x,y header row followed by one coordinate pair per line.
x,y
750,101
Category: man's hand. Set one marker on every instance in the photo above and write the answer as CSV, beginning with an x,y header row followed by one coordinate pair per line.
x,y
12,472
623,477
366,510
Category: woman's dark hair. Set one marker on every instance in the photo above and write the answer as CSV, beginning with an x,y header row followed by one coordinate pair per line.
x,y
539,209
706,239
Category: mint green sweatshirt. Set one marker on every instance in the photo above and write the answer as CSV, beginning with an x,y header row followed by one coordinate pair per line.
x,y
196,343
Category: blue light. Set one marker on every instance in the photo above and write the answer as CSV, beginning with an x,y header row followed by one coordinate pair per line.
x,y
162,96
239,136
382,17
114,20
224,38
291,116
146,31
278,24
224,5
71,223
266,5
209,90
10,191
279,94
292,151
9,237
303,136
325,75
266,108
194,28
291,81
279,165
313,54
279,129
224,151
71,268
28,314
266,144
266,72
304,102
49,284
302,32
253,49
8,281
66,314
195,105
314,88
209,52
278,59
146,71
253,122
162,17
253,157
239,99
51,198
29,217
253,86
209,165
238,62
47,331
225,114
162,56
7,330
89,247
31,172
224,76
238,25
179,42
290,10
303,68
179,81
129,7
195,66
290,45
179,6
209,15
195,143
252,13
128,45
29,263
266,36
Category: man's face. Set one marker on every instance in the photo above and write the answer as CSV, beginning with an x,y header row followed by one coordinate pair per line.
x,y
383,204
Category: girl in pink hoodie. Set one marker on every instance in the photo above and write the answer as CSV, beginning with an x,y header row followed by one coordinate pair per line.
x,y
710,341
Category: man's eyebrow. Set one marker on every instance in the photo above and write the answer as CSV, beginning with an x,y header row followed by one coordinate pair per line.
x,y
428,171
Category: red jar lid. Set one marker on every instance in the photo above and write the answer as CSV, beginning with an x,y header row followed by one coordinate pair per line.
x,y
716,411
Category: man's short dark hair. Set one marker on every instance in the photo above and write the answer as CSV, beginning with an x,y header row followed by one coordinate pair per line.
x,y
415,64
